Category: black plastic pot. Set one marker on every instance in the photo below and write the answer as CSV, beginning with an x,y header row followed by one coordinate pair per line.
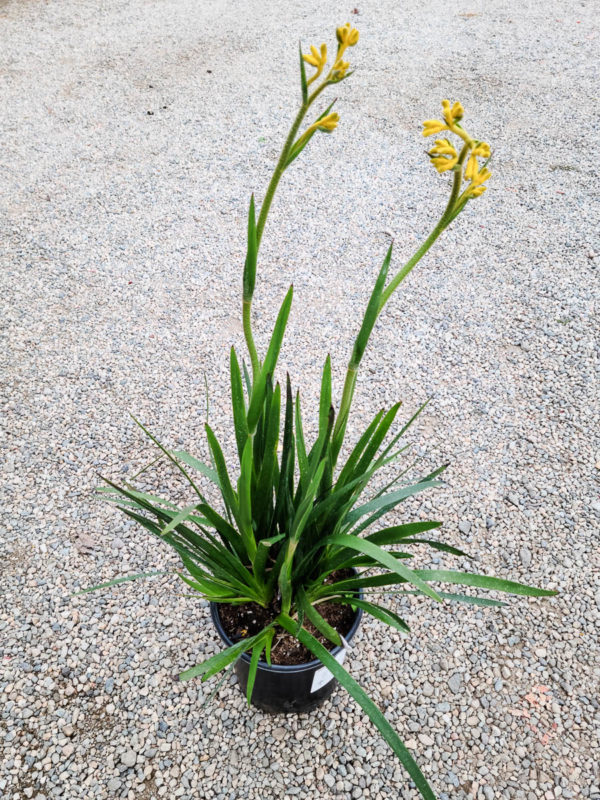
x,y
281,689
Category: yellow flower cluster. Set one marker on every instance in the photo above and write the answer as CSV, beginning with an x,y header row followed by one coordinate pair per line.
x,y
444,156
327,123
347,36
316,59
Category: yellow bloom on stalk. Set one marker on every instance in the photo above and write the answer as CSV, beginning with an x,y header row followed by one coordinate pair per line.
x,y
339,69
453,113
432,126
347,36
327,124
475,188
443,155
482,150
316,59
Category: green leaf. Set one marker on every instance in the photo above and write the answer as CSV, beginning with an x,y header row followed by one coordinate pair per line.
x,y
258,390
115,581
247,379
179,518
262,552
256,651
240,422
300,519
325,397
377,439
360,344
262,500
385,559
229,496
470,601
348,468
285,505
300,445
249,278
483,582
317,620
380,613
268,642
303,140
388,501
199,466
220,660
397,533
352,585
441,546
245,500
170,457
303,82
365,702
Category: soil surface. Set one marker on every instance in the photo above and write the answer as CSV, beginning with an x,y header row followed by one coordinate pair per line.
x,y
248,619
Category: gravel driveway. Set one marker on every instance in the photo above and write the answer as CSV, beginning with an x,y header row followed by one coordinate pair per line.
x,y
133,133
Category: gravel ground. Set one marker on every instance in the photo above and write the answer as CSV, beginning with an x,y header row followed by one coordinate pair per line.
x,y
134,133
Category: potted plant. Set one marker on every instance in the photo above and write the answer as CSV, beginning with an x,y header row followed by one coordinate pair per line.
x,y
286,558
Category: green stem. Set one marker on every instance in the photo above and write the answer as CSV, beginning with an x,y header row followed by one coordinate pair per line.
x,y
264,212
281,164
247,323
352,370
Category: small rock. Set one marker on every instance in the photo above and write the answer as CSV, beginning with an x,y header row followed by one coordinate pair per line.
x,y
113,785
128,758
464,526
455,682
426,740
330,780
279,734
428,690
525,556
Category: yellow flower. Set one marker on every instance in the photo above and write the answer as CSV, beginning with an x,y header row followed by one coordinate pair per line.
x,y
482,149
316,59
431,126
339,69
443,147
443,155
327,124
475,188
453,113
441,163
472,167
347,36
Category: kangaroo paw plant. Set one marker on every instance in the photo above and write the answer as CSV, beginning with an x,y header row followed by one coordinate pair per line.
x,y
296,548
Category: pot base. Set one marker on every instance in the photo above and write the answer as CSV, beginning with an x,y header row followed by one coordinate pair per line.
x,y
281,689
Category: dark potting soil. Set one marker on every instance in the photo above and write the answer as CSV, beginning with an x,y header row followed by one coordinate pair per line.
x,y
248,619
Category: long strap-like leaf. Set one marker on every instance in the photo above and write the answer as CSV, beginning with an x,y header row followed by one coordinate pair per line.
x,y
368,706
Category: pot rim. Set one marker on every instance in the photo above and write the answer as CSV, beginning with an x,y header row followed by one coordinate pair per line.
x,y
308,665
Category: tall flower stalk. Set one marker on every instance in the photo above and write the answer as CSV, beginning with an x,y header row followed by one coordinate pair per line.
x,y
468,182
326,123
